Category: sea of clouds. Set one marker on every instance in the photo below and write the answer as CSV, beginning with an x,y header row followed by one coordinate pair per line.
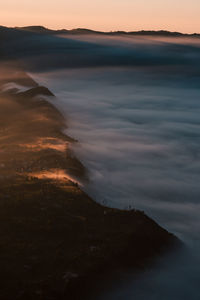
x,y
140,141
134,106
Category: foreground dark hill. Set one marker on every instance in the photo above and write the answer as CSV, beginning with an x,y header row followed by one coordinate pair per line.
x,y
56,242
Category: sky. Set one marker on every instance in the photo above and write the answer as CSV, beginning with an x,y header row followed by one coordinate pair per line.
x,y
105,15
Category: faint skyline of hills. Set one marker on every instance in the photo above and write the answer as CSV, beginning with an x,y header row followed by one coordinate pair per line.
x,y
44,30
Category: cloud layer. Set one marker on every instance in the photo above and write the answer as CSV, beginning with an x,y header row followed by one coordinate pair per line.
x,y
140,140
137,120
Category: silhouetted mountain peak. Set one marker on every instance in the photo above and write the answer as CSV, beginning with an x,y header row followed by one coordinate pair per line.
x,y
43,30
39,29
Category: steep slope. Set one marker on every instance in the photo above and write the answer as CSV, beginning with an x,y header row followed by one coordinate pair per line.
x,y
56,242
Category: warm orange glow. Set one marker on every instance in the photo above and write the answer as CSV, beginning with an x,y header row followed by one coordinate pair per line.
x,y
109,15
54,174
46,143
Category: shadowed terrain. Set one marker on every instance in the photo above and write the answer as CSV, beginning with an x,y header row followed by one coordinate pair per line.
x,y
56,242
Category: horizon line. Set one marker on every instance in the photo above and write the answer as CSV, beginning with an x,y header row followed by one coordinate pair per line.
x,y
103,32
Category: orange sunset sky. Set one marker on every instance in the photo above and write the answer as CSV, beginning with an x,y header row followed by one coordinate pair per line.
x,y
174,15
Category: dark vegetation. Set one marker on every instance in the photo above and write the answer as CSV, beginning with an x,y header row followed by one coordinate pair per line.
x,y
56,242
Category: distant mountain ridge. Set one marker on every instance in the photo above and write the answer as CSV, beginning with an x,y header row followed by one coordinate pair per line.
x,y
44,30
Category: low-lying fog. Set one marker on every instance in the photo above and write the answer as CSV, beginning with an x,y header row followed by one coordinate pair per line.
x,y
139,134
140,141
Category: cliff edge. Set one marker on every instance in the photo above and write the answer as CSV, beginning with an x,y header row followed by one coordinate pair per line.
x,y
56,241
